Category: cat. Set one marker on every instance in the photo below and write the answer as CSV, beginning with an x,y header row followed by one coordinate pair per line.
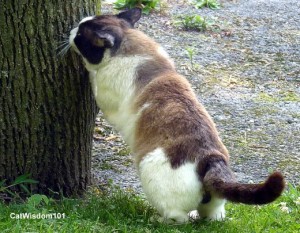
x,y
181,161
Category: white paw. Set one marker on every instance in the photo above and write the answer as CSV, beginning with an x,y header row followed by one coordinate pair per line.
x,y
176,217
214,210
157,218
193,215
173,218
219,216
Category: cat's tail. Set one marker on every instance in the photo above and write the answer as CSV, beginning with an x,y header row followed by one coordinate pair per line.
x,y
218,180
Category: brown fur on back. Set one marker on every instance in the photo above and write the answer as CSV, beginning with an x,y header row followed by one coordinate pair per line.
x,y
176,121
137,43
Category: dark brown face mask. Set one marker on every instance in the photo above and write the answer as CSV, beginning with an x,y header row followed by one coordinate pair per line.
x,y
99,33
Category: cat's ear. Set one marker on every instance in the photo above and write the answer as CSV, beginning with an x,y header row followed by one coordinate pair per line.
x,y
104,39
131,16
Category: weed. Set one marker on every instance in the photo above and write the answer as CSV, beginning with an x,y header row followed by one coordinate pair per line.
x,y
212,4
7,191
146,5
163,6
290,96
38,203
124,151
285,96
192,22
266,97
105,165
190,52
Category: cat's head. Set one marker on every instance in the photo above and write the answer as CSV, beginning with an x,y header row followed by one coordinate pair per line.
x,y
97,34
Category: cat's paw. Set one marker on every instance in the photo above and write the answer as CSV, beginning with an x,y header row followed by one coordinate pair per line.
x,y
214,210
219,216
193,215
176,217
172,218
157,218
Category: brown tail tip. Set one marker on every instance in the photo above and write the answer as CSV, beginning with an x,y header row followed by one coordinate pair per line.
x,y
254,194
274,185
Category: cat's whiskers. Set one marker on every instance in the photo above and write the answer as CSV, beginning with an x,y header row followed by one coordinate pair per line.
x,y
63,47
62,43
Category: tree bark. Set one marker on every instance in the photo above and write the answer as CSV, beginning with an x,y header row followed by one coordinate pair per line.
x,y
47,110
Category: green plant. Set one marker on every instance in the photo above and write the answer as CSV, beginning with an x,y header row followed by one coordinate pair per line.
x,y
192,22
38,203
22,181
190,52
212,4
146,5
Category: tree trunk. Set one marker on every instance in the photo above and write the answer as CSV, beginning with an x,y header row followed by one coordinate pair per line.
x,y
47,110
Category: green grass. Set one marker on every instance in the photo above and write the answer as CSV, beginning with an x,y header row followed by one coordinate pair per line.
x,y
128,212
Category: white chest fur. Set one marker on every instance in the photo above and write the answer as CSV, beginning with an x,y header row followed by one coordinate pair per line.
x,y
113,86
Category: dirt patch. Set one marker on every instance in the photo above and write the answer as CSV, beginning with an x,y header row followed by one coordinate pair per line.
x,y
245,70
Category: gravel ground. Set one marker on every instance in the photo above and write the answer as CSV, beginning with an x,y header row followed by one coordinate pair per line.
x,y
245,69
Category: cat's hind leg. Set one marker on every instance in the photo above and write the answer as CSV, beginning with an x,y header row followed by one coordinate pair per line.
x,y
171,217
213,210
172,191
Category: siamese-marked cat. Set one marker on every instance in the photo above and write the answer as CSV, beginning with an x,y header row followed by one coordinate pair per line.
x,y
181,161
